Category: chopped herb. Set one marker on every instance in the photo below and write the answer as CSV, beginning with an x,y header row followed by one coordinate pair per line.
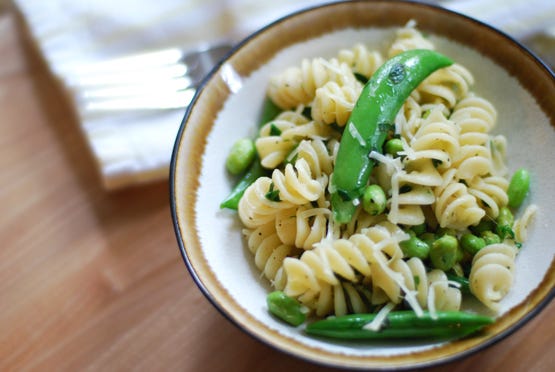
x,y
272,194
274,130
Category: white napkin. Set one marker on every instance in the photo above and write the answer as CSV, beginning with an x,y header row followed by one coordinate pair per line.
x,y
135,147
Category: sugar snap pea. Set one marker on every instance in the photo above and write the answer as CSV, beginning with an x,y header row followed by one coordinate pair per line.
x,y
286,308
269,111
372,120
240,156
400,325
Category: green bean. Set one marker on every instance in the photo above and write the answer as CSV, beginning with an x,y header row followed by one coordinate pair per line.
x,y
518,187
414,247
472,243
371,121
240,156
285,308
269,111
393,147
400,325
253,173
444,252
374,200
462,281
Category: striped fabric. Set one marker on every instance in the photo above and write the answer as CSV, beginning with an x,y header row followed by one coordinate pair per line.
x,y
134,147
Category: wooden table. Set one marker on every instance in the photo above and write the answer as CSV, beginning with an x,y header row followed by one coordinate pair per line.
x,y
94,280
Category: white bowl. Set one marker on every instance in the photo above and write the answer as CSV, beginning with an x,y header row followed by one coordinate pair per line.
x,y
227,106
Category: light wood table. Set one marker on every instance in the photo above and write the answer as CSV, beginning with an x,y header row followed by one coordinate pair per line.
x,y
94,280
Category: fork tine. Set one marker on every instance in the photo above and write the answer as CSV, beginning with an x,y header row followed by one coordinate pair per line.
x,y
164,101
156,80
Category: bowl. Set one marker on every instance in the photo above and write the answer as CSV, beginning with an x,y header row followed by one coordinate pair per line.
x,y
228,105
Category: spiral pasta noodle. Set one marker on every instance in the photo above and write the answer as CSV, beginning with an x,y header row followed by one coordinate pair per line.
x,y
296,184
432,289
361,60
408,38
476,117
268,250
436,140
446,86
255,209
333,103
491,193
280,136
298,85
455,207
492,273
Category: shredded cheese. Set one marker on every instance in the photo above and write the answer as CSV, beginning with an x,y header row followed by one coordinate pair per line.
x,y
356,134
378,321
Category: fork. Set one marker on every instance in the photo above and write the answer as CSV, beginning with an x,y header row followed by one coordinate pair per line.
x,y
159,80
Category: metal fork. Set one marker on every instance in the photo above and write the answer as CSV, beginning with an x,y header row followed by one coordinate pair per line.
x,y
164,79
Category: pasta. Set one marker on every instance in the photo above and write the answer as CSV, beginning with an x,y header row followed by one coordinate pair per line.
x,y
492,271
448,178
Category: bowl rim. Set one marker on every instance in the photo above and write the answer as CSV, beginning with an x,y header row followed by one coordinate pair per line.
x,y
548,297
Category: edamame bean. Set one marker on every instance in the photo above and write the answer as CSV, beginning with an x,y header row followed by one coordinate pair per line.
x,y
393,147
285,308
414,247
518,187
505,221
472,243
240,156
444,252
490,237
374,200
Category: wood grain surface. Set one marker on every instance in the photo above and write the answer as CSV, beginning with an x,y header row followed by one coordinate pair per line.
x,y
91,280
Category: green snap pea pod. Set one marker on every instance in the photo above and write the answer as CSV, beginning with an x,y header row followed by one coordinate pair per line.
x,y
518,187
400,325
269,111
240,156
285,308
372,120
255,171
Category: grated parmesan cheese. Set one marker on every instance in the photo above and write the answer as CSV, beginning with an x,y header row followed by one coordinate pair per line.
x,y
356,134
378,321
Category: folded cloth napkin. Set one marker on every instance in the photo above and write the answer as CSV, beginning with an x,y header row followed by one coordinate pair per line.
x,y
133,147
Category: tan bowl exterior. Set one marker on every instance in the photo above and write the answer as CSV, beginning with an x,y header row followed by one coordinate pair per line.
x,y
257,50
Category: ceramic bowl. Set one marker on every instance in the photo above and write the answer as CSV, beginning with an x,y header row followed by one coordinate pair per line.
x,y
228,104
